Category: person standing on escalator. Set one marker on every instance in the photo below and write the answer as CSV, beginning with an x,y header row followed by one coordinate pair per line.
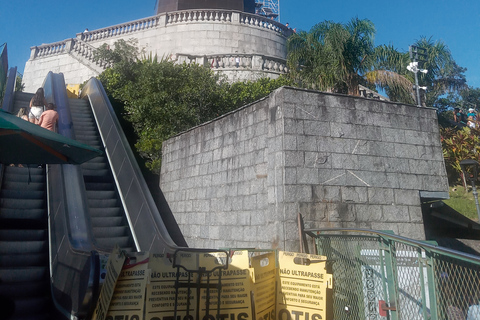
x,y
49,118
37,104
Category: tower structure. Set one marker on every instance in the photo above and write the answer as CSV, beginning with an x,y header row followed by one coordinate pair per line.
x,y
268,8
175,5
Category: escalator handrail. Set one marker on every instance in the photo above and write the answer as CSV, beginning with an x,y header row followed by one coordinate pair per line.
x,y
80,232
8,98
74,267
135,195
7,103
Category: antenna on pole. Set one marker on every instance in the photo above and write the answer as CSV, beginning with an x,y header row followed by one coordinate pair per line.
x,y
268,8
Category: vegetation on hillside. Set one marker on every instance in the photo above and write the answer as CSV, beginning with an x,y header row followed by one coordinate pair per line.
x,y
161,98
338,57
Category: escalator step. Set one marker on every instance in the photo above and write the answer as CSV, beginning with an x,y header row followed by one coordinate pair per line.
x,y
102,203
96,175
23,204
107,222
24,224
94,166
23,247
113,232
24,178
27,274
122,242
22,235
97,160
17,214
24,260
32,186
21,194
23,290
101,195
99,186
105,212
32,308
25,170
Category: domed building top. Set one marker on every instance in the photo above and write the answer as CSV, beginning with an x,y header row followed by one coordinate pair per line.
x,y
175,5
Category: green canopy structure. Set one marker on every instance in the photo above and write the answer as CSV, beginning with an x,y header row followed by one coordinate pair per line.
x,y
27,143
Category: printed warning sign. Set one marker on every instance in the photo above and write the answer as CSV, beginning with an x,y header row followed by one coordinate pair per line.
x,y
113,268
235,286
301,286
263,277
129,296
162,296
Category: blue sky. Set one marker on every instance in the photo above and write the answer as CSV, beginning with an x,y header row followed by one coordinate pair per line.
x,y
26,23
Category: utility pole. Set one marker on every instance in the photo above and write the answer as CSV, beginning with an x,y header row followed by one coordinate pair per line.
x,y
418,55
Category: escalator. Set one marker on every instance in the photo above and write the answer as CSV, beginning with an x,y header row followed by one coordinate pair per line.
x,y
24,263
56,222
110,226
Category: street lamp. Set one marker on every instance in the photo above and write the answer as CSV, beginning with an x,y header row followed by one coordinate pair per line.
x,y
415,54
472,176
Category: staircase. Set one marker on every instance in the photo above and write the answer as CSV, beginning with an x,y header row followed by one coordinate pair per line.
x,y
110,225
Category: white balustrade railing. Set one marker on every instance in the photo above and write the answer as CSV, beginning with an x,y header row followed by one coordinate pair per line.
x,y
87,51
163,20
75,47
199,16
50,49
240,62
120,29
264,22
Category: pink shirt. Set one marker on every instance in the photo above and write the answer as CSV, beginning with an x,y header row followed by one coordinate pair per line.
x,y
48,119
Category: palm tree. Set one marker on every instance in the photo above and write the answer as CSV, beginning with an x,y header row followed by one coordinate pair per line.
x,y
332,56
390,73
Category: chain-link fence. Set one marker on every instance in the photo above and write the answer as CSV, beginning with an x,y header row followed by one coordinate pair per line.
x,y
377,275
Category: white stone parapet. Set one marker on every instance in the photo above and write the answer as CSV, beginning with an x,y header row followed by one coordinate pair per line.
x,y
120,29
234,61
241,45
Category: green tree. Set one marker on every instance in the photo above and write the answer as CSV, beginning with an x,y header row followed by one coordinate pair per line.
x,y
390,73
332,56
19,85
161,98
457,145
444,75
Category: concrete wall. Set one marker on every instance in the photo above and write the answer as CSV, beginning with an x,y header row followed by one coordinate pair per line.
x,y
201,35
341,161
37,70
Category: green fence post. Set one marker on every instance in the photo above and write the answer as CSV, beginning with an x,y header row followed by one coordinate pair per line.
x,y
391,276
432,288
422,262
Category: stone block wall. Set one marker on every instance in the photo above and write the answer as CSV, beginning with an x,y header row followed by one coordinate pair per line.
x,y
340,161
37,70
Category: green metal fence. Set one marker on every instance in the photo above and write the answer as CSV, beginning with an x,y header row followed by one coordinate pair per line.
x,y
377,275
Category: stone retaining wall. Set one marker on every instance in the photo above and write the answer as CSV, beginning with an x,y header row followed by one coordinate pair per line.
x,y
340,161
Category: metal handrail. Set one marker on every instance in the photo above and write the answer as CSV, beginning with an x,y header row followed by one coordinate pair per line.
x,y
417,243
74,266
8,98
